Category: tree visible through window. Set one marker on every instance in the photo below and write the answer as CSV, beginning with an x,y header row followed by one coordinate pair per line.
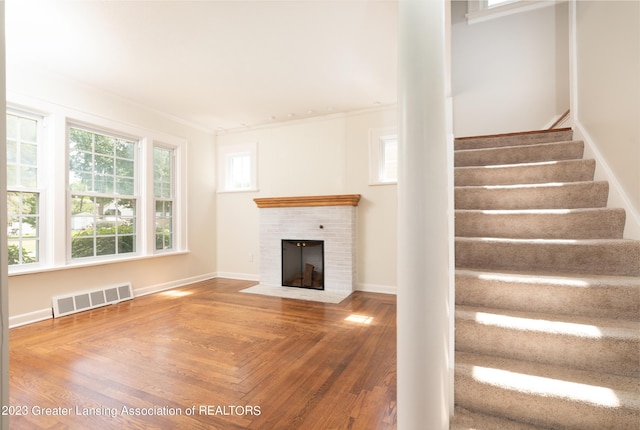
x,y
23,196
103,202
163,196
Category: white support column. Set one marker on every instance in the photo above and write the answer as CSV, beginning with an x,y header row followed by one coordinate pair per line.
x,y
4,307
423,220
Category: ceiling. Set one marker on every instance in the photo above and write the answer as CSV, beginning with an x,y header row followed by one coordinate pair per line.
x,y
220,65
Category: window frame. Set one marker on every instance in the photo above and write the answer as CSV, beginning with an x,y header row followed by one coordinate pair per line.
x,y
54,191
113,195
171,198
378,139
225,155
40,238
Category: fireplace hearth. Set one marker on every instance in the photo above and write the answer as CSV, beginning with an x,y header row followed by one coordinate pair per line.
x,y
303,264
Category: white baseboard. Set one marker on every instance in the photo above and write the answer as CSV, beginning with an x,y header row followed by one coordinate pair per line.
x,y
617,197
137,292
238,276
30,317
374,288
44,314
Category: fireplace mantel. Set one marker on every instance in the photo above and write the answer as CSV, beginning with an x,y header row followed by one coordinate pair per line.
x,y
306,201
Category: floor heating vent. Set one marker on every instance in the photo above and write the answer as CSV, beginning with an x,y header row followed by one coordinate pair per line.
x,y
85,300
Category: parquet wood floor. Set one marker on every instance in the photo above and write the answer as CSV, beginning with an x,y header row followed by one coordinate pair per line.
x,y
214,357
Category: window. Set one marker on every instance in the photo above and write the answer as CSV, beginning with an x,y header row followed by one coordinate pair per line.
x,y
102,183
494,3
237,167
23,194
163,196
383,153
84,190
483,10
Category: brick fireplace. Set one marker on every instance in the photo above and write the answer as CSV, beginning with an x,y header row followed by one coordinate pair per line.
x,y
330,219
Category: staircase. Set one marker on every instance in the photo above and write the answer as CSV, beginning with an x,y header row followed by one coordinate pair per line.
x,y
547,290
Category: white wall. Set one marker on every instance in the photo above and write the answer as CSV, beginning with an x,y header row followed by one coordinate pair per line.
x,y
30,294
509,73
322,156
607,96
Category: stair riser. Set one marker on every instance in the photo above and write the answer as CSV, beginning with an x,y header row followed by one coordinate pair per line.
x,y
600,224
611,301
549,411
514,139
619,258
519,154
563,171
606,354
569,196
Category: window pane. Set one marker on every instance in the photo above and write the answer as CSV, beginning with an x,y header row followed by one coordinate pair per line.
x,y
103,144
124,168
29,154
11,176
23,227
105,245
103,184
126,244
82,247
162,172
110,220
29,177
80,140
124,186
389,162
104,164
125,149
28,130
239,171
12,127
12,151
97,161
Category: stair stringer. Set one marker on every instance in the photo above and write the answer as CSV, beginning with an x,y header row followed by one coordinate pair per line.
x,y
618,198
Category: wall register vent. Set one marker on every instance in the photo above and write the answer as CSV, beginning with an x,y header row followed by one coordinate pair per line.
x,y
85,300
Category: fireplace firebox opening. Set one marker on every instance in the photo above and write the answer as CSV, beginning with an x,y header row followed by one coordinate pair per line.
x,y
303,264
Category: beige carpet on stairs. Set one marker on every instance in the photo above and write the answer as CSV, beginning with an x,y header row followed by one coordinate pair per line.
x,y
547,290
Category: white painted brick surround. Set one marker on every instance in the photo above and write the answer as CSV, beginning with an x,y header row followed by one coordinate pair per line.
x,y
338,233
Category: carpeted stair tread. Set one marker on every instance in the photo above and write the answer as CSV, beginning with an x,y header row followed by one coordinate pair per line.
x,y
551,396
612,297
519,154
547,290
585,256
583,223
572,195
511,139
464,419
526,173
588,343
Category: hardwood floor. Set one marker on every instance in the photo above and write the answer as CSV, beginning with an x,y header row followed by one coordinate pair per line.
x,y
206,356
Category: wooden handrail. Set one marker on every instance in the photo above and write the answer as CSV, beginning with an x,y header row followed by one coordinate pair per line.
x,y
561,119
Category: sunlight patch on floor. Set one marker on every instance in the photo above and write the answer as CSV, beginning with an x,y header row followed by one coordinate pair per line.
x,y
175,293
361,319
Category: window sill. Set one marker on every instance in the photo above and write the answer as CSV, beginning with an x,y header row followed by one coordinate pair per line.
x,y
19,271
249,190
375,184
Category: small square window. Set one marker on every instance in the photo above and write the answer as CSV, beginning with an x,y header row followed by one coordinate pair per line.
x,y
383,157
237,168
